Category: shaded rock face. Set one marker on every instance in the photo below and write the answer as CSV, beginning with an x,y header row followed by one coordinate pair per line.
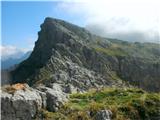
x,y
141,73
68,54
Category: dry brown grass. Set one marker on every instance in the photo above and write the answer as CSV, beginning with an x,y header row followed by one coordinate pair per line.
x,y
13,88
19,86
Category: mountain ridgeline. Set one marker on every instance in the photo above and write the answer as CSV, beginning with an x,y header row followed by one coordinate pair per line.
x,y
68,54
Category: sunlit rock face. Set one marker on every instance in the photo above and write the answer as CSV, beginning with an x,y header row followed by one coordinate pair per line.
x,y
21,102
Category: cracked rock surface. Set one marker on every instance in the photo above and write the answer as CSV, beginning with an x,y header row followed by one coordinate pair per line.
x,y
24,104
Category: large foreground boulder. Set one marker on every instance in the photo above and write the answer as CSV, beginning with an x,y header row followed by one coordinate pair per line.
x,y
20,102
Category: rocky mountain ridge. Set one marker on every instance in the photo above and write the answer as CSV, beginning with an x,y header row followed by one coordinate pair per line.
x,y
70,54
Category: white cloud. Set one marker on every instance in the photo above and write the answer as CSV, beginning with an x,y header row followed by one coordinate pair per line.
x,y
117,18
10,51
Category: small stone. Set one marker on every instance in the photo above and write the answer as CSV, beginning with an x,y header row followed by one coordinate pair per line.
x,y
103,115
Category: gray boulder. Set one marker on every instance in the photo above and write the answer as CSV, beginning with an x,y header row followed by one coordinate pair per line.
x,y
70,89
21,102
20,105
103,115
55,97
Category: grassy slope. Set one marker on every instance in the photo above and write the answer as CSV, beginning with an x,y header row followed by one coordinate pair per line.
x,y
125,104
148,51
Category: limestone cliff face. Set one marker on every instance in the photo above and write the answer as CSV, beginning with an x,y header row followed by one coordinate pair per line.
x,y
68,54
140,72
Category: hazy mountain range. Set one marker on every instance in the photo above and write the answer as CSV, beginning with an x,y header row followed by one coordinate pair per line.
x,y
12,61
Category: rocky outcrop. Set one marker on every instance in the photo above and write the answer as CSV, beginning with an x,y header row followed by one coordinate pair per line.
x,y
21,102
67,54
61,55
55,97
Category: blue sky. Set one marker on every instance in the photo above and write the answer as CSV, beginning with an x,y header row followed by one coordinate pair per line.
x,y
21,21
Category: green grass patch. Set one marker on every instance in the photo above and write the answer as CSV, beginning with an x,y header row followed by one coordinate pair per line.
x,y
111,51
125,104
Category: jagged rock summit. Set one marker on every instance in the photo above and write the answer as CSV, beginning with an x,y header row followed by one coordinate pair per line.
x,y
70,55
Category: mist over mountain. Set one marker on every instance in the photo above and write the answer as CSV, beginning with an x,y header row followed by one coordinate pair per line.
x,y
134,21
9,51
130,36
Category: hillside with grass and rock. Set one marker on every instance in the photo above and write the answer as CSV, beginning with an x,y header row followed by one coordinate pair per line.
x,y
51,103
73,74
